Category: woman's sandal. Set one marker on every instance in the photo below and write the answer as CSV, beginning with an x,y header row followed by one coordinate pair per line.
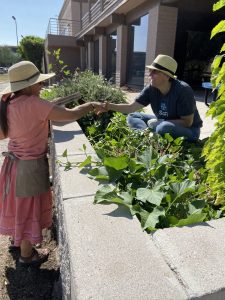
x,y
12,248
37,258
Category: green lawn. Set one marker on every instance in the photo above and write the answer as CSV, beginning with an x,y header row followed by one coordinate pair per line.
x,y
3,77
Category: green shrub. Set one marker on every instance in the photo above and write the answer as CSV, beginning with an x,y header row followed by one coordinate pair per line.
x,y
32,48
91,87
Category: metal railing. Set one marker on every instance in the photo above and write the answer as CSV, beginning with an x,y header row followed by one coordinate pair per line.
x,y
63,27
96,9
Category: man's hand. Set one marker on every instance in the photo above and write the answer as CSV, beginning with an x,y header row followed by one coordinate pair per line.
x,y
153,123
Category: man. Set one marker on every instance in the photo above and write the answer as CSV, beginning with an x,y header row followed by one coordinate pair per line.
x,y
171,100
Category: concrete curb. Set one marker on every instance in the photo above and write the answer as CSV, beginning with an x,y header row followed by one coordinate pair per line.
x,y
105,254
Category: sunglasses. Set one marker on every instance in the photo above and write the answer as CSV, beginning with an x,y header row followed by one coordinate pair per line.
x,y
41,83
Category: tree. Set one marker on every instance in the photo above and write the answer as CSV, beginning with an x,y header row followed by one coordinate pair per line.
x,y
8,57
32,48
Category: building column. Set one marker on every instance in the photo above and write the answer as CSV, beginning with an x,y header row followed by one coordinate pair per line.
x,y
102,55
90,59
162,24
121,55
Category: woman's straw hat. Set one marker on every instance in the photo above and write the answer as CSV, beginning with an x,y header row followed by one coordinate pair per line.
x,y
22,75
165,64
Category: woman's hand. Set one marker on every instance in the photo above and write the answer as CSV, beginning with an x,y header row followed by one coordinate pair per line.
x,y
99,107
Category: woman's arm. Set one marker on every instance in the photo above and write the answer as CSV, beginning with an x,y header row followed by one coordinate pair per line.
x,y
2,137
62,114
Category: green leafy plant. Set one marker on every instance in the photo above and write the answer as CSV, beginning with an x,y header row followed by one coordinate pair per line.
x,y
58,66
161,180
214,150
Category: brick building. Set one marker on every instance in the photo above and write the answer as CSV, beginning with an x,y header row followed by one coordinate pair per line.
x,y
117,38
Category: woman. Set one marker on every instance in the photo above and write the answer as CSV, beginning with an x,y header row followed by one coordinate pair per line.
x,y
25,196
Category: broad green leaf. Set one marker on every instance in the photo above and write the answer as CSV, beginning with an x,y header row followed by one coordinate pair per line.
x,y
114,174
180,188
146,158
196,206
86,162
135,166
151,196
107,194
153,218
172,220
192,219
160,172
118,163
127,197
99,173
220,27
135,209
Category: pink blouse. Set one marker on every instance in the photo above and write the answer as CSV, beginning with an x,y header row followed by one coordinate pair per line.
x,y
28,126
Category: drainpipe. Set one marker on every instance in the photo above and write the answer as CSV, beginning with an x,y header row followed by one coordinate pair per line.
x,y
101,5
81,14
89,10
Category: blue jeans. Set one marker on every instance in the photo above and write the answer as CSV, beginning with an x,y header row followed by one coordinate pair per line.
x,y
138,120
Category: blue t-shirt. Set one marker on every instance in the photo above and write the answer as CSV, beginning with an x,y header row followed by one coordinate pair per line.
x,y
178,102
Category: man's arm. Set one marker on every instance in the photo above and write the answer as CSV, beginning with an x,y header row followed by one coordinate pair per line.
x,y
124,108
185,121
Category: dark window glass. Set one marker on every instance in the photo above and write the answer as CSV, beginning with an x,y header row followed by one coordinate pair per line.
x,y
137,41
111,57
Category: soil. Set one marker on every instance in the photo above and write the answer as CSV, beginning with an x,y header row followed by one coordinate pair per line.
x,y
19,283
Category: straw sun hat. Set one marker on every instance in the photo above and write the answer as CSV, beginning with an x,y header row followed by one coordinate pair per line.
x,y
165,64
22,75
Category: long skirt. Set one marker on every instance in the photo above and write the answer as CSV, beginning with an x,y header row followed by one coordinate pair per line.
x,y
23,218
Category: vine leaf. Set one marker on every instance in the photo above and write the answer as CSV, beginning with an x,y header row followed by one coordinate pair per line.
x,y
218,5
220,27
117,163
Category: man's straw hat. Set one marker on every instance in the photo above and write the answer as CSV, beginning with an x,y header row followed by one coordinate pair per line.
x,y
165,64
22,75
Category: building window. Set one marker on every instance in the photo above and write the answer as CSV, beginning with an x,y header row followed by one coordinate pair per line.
x,y
111,57
137,43
96,57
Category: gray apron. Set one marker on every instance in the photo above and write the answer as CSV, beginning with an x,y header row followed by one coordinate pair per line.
x,y
32,176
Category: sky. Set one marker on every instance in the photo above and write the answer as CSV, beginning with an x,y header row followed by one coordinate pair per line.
x,y
32,17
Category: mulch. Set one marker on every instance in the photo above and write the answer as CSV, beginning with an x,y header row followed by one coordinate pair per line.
x,y
19,283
